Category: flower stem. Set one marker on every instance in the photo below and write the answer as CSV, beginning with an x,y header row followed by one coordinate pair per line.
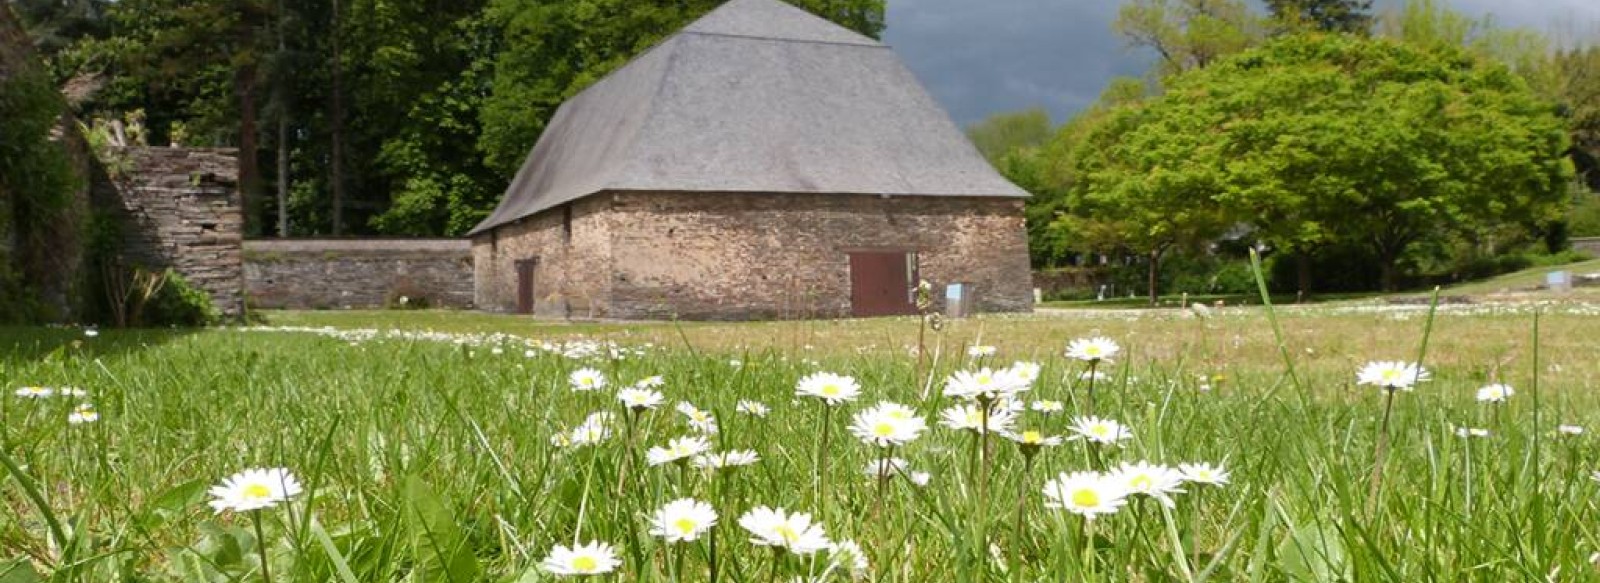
x,y
1378,452
261,546
1016,526
1093,364
822,461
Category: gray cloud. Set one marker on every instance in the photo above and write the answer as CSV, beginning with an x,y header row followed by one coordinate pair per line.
x,y
979,57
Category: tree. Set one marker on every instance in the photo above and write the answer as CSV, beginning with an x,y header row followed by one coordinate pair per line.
x,y
1352,16
1189,34
1003,133
1318,139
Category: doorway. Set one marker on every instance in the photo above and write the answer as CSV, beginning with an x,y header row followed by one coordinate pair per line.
x,y
525,278
881,283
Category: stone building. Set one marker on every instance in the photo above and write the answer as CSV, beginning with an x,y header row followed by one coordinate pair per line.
x,y
760,163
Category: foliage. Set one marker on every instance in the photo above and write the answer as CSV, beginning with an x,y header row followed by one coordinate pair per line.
x,y
1189,34
178,303
1353,16
1003,133
1584,219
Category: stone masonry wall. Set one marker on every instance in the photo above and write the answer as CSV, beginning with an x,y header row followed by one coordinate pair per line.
x,y
748,256
572,278
1590,245
179,208
744,256
357,273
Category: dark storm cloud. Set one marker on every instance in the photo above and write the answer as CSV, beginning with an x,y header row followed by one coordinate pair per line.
x,y
979,57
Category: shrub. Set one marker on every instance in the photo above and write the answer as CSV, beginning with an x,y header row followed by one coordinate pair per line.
x,y
178,303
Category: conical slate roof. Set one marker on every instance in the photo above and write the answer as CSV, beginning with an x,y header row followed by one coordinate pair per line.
x,y
757,96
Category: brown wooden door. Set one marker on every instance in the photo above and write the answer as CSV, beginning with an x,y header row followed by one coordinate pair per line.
x,y
879,284
525,272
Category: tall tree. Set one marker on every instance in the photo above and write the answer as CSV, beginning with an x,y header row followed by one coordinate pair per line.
x,y
1189,34
1003,133
1353,16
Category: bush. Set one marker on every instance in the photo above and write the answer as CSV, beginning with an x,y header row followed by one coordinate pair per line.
x,y
178,303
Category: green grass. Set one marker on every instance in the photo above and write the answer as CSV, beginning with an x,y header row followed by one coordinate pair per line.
x,y
1524,280
429,460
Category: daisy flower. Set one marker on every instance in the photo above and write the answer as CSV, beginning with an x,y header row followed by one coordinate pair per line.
x,y
848,555
795,533
726,459
1153,480
683,520
981,350
587,379
831,388
1087,494
72,392
1391,375
1093,349
591,559
640,399
699,420
35,392
254,489
1471,432
1047,407
983,384
888,424
970,417
1031,441
650,382
1204,473
593,431
752,408
1097,430
677,450
1025,372
1570,429
84,413
1495,393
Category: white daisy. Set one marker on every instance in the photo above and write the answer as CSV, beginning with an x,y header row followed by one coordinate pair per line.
x,y
72,392
254,489
683,520
1097,430
1088,494
84,413
1047,407
752,408
983,383
981,350
1390,375
35,392
1471,432
640,399
591,559
1204,473
1092,349
587,379
970,417
1025,372
888,424
1031,440
650,382
698,419
677,450
795,533
1153,480
1495,393
1570,429
831,388
848,555
726,459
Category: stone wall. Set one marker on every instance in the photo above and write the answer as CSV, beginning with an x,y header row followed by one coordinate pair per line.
x,y
744,256
572,249
1590,245
357,273
179,208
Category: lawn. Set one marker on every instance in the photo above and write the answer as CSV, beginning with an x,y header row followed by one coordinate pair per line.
x,y
438,446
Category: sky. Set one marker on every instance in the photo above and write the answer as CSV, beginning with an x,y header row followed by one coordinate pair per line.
x,y
979,57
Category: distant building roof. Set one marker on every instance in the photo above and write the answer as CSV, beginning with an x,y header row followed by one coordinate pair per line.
x,y
756,96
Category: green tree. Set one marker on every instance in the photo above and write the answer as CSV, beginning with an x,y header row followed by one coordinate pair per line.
x,y
1189,34
1003,133
1354,16
1318,139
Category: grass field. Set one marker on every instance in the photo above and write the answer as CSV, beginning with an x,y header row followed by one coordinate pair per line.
x,y
427,446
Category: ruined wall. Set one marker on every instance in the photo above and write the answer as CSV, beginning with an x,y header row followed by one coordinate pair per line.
x,y
179,208
744,256
572,276
357,273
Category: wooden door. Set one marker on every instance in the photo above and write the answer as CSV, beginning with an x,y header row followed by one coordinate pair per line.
x,y
525,273
880,283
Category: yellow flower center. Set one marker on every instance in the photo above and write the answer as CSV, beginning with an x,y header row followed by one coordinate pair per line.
x,y
1100,430
1391,374
1032,437
830,390
1141,482
985,379
1086,498
684,525
1204,475
883,429
788,534
1092,350
585,564
257,492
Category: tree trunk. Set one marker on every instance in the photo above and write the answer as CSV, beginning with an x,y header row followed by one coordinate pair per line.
x,y
1155,272
283,129
1302,266
249,174
1387,273
337,156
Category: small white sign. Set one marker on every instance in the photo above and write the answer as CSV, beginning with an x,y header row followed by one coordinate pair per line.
x,y
953,291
